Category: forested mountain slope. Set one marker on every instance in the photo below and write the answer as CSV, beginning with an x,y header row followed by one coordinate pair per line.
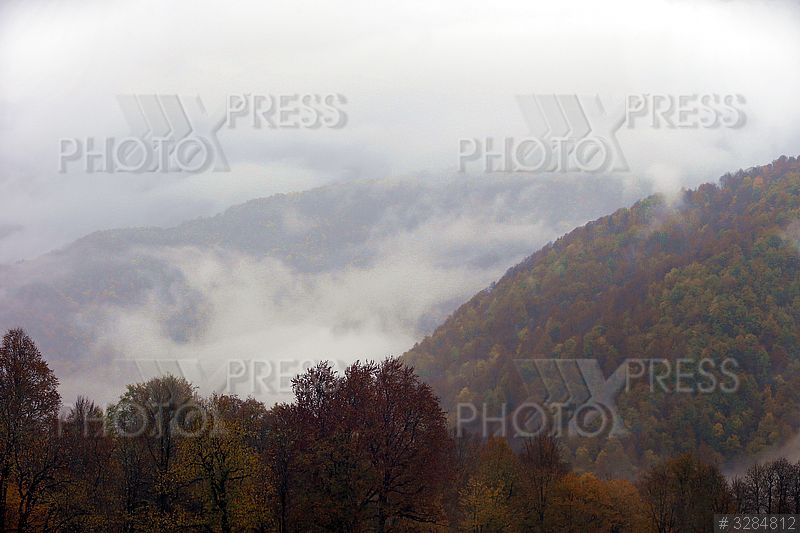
x,y
712,274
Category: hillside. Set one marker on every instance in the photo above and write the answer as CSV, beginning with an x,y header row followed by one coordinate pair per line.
x,y
713,274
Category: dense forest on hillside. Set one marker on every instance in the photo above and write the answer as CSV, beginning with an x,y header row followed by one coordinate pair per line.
x,y
713,274
368,450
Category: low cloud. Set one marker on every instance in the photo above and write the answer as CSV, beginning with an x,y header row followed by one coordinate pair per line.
x,y
351,271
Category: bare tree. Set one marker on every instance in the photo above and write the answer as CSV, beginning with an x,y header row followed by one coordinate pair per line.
x,y
543,467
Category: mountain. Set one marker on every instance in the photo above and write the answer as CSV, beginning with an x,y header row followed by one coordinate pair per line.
x,y
353,269
709,275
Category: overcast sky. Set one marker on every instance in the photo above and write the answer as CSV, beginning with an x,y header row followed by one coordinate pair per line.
x,y
417,77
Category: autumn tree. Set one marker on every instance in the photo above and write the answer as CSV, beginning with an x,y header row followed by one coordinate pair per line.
x,y
491,498
216,459
149,421
367,448
29,404
407,445
322,483
485,507
582,502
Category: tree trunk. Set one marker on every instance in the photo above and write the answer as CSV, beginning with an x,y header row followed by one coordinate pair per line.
x,y
3,499
382,513
284,512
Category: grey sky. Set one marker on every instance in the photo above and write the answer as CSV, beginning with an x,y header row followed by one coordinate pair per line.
x,y
418,76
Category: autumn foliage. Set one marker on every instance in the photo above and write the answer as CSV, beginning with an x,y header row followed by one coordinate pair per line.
x,y
711,274
366,450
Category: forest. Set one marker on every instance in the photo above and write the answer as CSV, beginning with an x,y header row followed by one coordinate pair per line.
x,y
709,275
366,450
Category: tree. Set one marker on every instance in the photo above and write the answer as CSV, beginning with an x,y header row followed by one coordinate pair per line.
x,y
407,443
683,493
29,404
87,499
366,449
772,487
324,480
217,459
490,498
585,503
282,456
658,494
149,421
485,507
755,498
543,466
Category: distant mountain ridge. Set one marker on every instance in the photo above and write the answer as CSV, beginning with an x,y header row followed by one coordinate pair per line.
x,y
465,230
